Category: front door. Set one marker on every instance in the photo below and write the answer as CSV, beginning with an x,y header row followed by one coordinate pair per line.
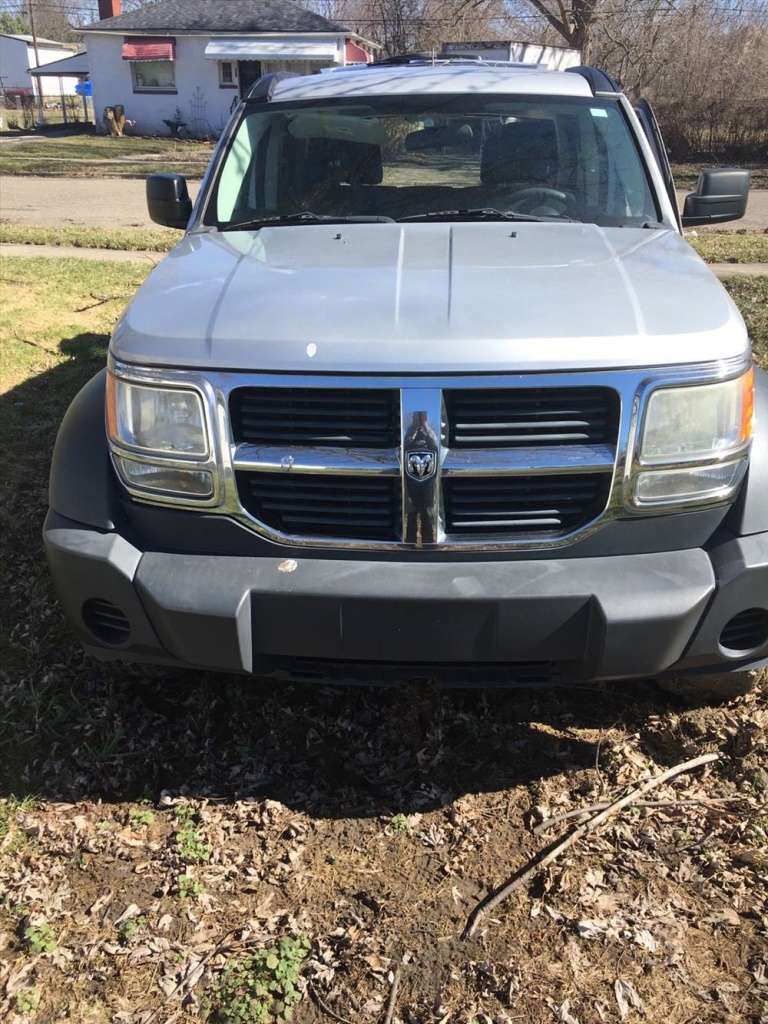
x,y
248,71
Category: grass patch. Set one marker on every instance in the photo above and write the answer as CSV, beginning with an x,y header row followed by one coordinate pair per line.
x,y
751,296
101,156
730,248
125,239
54,330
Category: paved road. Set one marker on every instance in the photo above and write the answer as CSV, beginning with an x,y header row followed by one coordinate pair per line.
x,y
92,202
120,202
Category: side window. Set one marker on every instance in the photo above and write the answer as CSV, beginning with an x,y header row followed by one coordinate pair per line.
x,y
248,181
625,183
227,74
153,76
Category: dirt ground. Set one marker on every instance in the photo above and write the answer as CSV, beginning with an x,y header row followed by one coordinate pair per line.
x,y
112,202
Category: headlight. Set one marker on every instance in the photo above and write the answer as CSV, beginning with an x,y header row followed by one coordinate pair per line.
x,y
695,438
159,440
702,422
152,419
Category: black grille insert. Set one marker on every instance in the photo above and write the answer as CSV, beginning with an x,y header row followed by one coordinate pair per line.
x,y
346,417
745,631
531,417
536,504
358,508
485,674
107,623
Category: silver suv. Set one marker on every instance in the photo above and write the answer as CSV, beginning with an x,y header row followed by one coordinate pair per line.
x,y
432,386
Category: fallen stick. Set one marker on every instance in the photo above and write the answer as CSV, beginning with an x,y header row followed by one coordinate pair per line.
x,y
100,301
315,995
392,996
579,812
220,946
551,853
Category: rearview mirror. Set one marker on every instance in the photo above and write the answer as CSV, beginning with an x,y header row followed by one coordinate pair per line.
x,y
720,195
168,200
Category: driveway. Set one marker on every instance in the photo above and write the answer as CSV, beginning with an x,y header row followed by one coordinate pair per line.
x,y
120,202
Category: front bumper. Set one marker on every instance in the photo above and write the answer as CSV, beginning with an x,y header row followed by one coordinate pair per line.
x,y
510,621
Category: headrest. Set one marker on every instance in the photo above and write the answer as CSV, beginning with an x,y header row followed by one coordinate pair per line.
x,y
355,163
438,137
522,151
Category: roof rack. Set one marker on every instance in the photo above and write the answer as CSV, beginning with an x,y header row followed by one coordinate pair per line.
x,y
263,88
427,60
599,81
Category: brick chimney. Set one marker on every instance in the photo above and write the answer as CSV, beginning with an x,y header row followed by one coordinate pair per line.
x,y
109,8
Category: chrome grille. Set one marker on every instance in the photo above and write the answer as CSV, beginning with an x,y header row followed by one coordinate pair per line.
x,y
323,506
482,505
424,466
531,417
346,417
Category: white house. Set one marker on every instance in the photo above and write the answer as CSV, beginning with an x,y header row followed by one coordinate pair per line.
x,y
17,57
556,58
192,60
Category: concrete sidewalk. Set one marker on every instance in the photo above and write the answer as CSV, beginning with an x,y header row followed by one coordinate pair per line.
x,y
78,253
134,256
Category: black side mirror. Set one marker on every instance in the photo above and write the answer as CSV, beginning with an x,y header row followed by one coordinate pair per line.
x,y
720,195
168,200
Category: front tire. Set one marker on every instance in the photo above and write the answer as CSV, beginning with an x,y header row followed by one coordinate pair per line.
x,y
712,689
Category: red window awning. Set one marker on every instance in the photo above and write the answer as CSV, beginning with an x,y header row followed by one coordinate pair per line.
x,y
355,54
149,48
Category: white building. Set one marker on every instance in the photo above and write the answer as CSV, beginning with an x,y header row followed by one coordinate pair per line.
x,y
192,60
556,58
17,56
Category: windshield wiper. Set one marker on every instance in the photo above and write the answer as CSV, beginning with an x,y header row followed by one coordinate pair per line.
x,y
305,216
481,213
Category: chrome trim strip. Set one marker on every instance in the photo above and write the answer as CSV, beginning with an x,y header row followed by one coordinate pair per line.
x,y
633,385
329,460
550,460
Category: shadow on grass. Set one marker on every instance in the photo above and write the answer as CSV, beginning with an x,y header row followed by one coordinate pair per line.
x,y
72,728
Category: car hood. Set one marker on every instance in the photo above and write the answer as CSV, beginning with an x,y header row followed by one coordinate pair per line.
x,y
430,298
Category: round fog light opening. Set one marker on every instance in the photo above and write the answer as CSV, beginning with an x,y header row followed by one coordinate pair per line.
x,y
107,623
745,632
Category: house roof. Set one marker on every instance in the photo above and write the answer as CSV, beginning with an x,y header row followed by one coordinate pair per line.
x,y
29,41
232,16
77,65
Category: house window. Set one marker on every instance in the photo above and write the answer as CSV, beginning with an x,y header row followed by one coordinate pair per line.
x,y
227,74
153,75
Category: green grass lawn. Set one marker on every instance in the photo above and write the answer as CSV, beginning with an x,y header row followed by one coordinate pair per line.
x,y
715,247
126,239
751,296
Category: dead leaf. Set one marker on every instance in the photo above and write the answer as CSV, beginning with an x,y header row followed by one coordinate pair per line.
x,y
563,1012
132,910
724,916
627,997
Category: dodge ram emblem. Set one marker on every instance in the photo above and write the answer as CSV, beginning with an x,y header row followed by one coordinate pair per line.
x,y
421,465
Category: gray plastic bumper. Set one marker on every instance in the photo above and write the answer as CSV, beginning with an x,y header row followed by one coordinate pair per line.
x,y
591,618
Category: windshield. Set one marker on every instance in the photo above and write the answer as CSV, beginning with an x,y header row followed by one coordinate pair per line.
x,y
418,158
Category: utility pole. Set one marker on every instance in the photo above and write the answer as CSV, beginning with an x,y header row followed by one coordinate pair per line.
x,y
37,62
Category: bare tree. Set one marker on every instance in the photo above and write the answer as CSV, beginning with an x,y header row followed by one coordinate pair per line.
x,y
573,20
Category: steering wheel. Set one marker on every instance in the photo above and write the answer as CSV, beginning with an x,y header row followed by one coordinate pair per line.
x,y
537,198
